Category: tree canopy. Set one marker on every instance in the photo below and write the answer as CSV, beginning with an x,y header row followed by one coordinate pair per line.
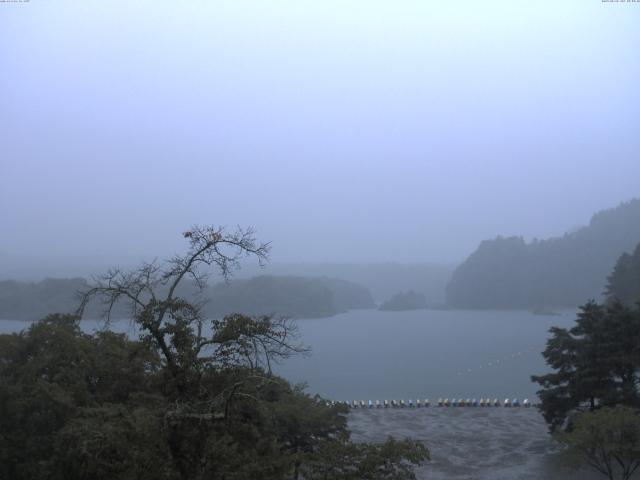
x,y
595,363
509,272
192,398
607,440
623,284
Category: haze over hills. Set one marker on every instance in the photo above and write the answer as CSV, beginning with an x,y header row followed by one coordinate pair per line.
x,y
509,272
382,279
404,301
506,272
288,296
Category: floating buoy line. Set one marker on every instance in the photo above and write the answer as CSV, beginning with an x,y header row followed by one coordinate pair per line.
x,y
441,402
496,362
453,402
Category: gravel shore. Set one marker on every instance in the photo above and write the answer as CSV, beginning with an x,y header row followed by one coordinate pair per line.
x,y
471,443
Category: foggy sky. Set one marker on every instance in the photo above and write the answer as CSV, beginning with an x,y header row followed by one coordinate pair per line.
x,y
341,130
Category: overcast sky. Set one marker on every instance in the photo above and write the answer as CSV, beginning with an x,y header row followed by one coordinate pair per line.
x,y
341,130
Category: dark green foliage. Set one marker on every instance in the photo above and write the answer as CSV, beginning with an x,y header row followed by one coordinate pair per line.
x,y
607,440
55,380
114,441
176,404
405,301
348,461
624,282
559,272
100,406
595,363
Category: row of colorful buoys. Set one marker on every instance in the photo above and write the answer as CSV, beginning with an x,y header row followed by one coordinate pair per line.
x,y
483,402
459,402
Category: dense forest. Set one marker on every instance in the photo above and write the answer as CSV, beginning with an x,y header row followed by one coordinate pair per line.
x,y
176,404
297,297
591,397
624,282
558,272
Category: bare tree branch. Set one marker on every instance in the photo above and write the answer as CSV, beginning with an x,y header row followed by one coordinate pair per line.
x,y
177,326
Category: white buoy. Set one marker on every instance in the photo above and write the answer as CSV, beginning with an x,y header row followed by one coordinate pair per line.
x,y
386,404
526,403
394,403
427,403
377,403
507,403
467,402
440,402
446,402
362,404
402,404
418,403
355,404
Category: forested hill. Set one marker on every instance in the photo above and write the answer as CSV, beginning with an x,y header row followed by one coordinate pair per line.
x,y
280,295
287,295
405,301
558,272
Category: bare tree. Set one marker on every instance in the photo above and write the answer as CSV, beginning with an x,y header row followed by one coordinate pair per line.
x,y
175,325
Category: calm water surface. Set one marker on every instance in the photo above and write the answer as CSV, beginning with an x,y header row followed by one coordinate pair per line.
x,y
368,354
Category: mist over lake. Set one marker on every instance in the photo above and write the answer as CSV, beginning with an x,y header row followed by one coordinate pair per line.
x,y
285,209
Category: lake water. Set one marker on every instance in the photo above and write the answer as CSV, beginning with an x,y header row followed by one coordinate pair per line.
x,y
368,354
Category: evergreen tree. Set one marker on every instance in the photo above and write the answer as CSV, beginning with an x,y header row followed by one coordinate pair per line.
x,y
192,399
595,363
624,282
